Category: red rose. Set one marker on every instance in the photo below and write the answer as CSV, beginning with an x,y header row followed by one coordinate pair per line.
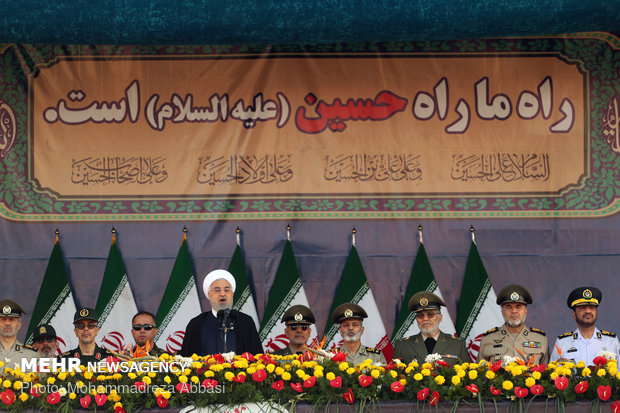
x,y
53,398
278,385
561,382
537,389
297,387
162,401
8,397
434,398
182,387
604,392
494,391
259,376
365,380
100,399
423,393
336,383
581,387
85,401
349,397
397,387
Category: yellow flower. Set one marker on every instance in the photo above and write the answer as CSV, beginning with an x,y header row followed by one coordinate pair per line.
x,y
530,381
229,375
418,376
507,385
167,379
318,373
279,371
286,376
72,396
350,371
409,369
146,379
489,375
152,374
375,373
17,385
62,375
473,366
601,373
305,377
132,375
618,376
166,394
182,379
118,405
456,379
250,370
581,364
425,372
23,397
79,384
270,368
300,373
6,383
440,380
586,372
393,374
343,366
330,376
296,363
101,377
465,366
460,373
51,380
473,374
88,375
209,373
100,389
195,379
403,381
536,375
553,375
427,366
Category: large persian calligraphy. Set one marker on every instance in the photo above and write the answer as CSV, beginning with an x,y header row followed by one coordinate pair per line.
x,y
511,127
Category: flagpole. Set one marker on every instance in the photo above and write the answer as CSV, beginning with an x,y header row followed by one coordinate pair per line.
x,y
420,233
288,232
113,235
238,236
353,236
184,233
57,232
473,235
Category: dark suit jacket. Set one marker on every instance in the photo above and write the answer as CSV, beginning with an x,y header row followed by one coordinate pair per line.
x,y
452,349
246,336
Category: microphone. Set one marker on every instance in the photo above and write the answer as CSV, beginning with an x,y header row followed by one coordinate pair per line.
x,y
222,319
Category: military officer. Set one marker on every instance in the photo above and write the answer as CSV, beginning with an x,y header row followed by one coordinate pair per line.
x,y
297,321
514,338
350,317
45,341
430,340
144,329
587,341
86,329
11,350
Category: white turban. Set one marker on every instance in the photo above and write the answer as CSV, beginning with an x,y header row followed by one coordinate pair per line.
x,y
218,275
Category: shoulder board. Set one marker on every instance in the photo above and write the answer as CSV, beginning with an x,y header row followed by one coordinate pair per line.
x,y
373,350
490,331
536,330
28,346
66,353
608,333
569,334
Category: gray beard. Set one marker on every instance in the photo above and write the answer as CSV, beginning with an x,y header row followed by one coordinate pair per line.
x,y
355,337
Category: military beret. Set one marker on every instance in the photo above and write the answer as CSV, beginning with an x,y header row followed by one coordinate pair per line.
x,y
514,293
44,330
424,300
10,308
85,314
348,310
298,314
584,296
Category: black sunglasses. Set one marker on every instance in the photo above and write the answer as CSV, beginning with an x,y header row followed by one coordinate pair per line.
x,y
293,327
45,340
146,327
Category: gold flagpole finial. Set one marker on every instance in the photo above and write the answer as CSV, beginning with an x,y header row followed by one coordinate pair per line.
x,y
288,232
184,233
420,232
353,232
57,232
113,235
238,235
473,235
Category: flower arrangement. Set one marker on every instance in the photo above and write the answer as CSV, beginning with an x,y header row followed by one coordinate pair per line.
x,y
319,379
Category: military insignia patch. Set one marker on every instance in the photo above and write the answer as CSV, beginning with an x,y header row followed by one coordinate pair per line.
x,y
587,294
531,344
348,313
571,350
423,301
42,330
6,309
514,296
298,317
83,312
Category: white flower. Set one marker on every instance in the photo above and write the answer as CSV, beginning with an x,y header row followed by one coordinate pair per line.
x,y
62,391
431,358
609,355
229,356
508,359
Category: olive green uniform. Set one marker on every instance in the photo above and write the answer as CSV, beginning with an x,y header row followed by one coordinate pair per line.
x,y
362,354
100,355
451,349
499,342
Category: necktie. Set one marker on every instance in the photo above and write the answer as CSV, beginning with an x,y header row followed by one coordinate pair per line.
x,y
430,344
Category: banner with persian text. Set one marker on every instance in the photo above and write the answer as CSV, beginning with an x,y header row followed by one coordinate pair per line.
x,y
523,127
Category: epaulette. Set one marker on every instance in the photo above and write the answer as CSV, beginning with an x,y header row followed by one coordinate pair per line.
x,y
373,350
65,354
536,330
608,333
28,346
493,330
569,334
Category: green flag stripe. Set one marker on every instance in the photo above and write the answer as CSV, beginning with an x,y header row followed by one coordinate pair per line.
x,y
179,285
242,299
63,295
189,287
473,315
117,293
400,333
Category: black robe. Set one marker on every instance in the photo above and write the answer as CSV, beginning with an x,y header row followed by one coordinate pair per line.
x,y
246,336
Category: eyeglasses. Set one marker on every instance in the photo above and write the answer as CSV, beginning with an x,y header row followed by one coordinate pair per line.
x,y
45,340
225,290
293,327
146,327
83,326
427,314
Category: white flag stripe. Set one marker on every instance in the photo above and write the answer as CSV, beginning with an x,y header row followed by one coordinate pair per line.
x,y
446,325
62,321
185,308
115,325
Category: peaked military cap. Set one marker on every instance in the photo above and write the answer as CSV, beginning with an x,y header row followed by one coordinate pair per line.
x,y
424,300
85,314
514,293
298,314
9,308
44,330
348,310
584,296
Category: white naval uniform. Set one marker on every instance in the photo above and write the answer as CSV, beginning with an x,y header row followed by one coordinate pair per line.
x,y
574,346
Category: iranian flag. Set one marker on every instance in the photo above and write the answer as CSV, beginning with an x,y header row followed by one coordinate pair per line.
x,y
286,291
421,279
55,304
478,310
354,288
243,300
115,305
179,304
